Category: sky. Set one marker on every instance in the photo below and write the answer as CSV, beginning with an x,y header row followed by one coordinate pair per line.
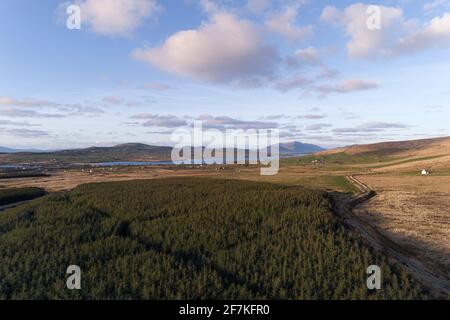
x,y
332,73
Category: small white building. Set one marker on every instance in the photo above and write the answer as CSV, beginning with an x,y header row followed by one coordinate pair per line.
x,y
425,172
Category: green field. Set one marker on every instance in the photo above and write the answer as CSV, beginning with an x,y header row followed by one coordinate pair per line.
x,y
189,239
341,158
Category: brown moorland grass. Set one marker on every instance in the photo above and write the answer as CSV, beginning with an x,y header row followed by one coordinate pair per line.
x,y
415,212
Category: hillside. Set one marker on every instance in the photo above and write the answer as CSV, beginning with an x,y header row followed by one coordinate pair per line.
x,y
189,239
123,152
7,150
296,148
412,148
12,150
399,156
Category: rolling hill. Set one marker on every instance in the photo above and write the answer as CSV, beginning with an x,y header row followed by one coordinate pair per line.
x,y
433,154
12,150
295,148
423,147
7,150
124,152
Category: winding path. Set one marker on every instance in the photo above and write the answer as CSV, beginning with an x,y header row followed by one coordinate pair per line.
x,y
383,243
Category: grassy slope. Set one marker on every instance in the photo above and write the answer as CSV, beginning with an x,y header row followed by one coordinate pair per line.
x,y
341,158
432,153
397,149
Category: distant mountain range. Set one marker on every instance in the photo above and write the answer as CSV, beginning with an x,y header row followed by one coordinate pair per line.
x,y
122,152
298,148
11,150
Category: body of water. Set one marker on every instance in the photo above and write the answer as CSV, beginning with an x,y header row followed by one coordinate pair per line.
x,y
151,163
139,163
128,163
9,166
116,163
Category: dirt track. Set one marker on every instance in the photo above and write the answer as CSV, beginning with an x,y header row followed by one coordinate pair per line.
x,y
380,242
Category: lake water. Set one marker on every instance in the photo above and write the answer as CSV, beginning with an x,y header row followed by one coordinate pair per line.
x,y
118,163
128,163
9,166
139,163
152,163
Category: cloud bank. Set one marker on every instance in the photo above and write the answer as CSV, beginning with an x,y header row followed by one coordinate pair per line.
x,y
220,50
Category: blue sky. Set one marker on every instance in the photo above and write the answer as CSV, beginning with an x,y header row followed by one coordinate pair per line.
x,y
138,69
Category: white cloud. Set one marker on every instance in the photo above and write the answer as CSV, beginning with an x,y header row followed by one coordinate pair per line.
x,y
222,123
434,5
347,86
19,124
397,35
19,108
209,6
23,133
164,121
230,50
273,117
312,116
12,102
223,49
116,17
434,33
76,109
20,113
308,55
113,100
364,42
330,14
304,57
327,73
372,127
284,24
296,82
317,126
158,86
